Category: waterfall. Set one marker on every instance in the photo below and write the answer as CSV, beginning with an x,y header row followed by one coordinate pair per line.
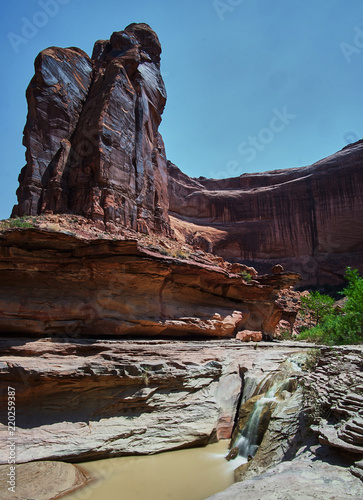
x,y
271,391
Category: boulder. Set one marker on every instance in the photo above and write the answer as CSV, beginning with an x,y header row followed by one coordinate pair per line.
x,y
41,480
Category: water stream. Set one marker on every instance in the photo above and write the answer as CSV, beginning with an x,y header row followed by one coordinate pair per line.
x,y
273,390
191,474
250,437
196,473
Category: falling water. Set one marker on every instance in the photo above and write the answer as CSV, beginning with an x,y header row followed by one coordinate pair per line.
x,y
251,435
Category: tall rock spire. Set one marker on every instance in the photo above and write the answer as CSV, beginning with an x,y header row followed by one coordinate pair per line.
x,y
93,146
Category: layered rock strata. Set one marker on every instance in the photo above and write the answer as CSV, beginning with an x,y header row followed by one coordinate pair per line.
x,y
307,219
57,283
337,385
93,146
108,398
328,401
93,149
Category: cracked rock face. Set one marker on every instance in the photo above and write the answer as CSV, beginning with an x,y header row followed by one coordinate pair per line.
x,y
92,140
97,399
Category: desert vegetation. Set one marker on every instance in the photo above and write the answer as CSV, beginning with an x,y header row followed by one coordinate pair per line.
x,y
336,325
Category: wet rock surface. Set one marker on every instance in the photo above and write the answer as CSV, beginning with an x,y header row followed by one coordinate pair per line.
x,y
97,399
306,477
327,402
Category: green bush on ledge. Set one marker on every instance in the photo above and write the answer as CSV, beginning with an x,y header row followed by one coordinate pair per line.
x,y
335,327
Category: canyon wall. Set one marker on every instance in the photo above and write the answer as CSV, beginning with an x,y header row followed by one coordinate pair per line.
x,y
93,149
308,219
54,283
98,399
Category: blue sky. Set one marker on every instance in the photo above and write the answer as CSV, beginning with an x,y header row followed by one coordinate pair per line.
x,y
253,85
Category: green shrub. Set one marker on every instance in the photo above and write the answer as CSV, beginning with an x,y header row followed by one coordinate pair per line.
x,y
246,276
19,222
334,328
319,306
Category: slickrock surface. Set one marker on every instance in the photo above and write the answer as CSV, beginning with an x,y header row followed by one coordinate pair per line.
x,y
330,397
305,478
53,282
92,140
82,399
308,219
42,480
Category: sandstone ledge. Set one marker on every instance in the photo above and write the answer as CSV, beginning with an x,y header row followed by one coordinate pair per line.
x,y
97,399
59,283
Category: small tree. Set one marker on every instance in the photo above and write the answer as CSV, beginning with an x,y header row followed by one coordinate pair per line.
x,y
345,327
319,306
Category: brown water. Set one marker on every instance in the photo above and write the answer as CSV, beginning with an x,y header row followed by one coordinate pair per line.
x,y
192,474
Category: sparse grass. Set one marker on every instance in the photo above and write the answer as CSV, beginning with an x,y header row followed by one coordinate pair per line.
x,y
19,222
180,254
154,248
286,334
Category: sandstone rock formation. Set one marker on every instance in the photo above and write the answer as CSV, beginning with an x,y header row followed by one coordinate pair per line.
x,y
110,397
305,478
92,140
290,463
58,283
42,480
308,219
93,149
337,384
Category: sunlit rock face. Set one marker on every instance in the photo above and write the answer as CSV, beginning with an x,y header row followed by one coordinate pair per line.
x,y
57,283
93,146
93,149
104,398
308,219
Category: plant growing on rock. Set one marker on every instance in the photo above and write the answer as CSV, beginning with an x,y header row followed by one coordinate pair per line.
x,y
246,276
319,306
19,222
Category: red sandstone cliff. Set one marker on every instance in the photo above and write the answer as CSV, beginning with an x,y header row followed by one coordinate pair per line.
x,y
92,140
309,219
93,149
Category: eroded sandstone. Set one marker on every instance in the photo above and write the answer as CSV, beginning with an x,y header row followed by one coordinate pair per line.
x,y
84,399
58,283
308,219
